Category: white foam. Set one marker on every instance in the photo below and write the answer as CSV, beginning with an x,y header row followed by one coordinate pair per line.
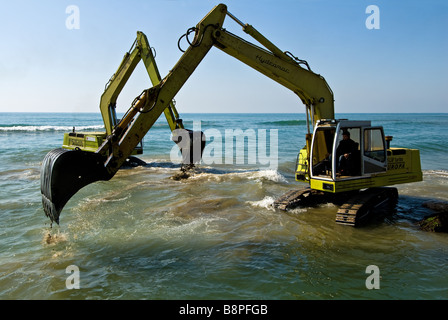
x,y
269,174
438,173
298,210
266,203
258,175
49,128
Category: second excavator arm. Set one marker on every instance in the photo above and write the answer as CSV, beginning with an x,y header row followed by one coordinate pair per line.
x,y
140,51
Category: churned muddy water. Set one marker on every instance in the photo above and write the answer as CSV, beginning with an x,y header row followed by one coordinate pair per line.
x,y
143,235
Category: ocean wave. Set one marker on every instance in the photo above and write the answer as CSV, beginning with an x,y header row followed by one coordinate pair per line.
x,y
32,128
20,174
182,227
438,173
89,203
285,123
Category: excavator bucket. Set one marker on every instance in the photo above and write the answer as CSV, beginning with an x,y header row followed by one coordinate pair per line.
x,y
191,144
63,173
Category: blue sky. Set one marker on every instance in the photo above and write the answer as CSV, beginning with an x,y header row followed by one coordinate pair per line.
x,y
401,67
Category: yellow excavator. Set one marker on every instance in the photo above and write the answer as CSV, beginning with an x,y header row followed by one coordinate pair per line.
x,y
350,162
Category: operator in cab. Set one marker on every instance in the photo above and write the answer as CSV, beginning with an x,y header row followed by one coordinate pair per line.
x,y
345,154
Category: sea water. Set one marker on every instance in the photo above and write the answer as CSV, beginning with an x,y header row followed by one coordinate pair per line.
x,y
143,235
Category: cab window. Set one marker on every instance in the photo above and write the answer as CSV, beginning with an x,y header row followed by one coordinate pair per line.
x,y
374,144
322,148
374,151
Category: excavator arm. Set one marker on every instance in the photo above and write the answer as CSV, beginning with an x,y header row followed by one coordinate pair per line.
x,y
125,135
140,51
312,88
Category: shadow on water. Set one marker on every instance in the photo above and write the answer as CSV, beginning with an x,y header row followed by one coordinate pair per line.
x,y
408,209
198,169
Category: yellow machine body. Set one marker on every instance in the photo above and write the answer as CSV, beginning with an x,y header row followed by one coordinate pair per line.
x,y
375,163
90,141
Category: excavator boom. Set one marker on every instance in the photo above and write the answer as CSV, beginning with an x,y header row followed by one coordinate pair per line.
x,y
281,67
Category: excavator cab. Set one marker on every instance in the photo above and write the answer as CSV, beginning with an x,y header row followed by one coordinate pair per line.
x,y
352,155
351,164
336,150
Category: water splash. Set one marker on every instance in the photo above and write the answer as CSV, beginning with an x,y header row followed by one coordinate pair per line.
x,y
266,203
52,239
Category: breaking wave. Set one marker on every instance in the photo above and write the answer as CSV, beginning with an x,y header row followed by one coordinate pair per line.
x,y
30,128
258,175
437,173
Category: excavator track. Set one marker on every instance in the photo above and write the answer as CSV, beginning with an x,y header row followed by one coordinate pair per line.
x,y
303,197
357,210
291,199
